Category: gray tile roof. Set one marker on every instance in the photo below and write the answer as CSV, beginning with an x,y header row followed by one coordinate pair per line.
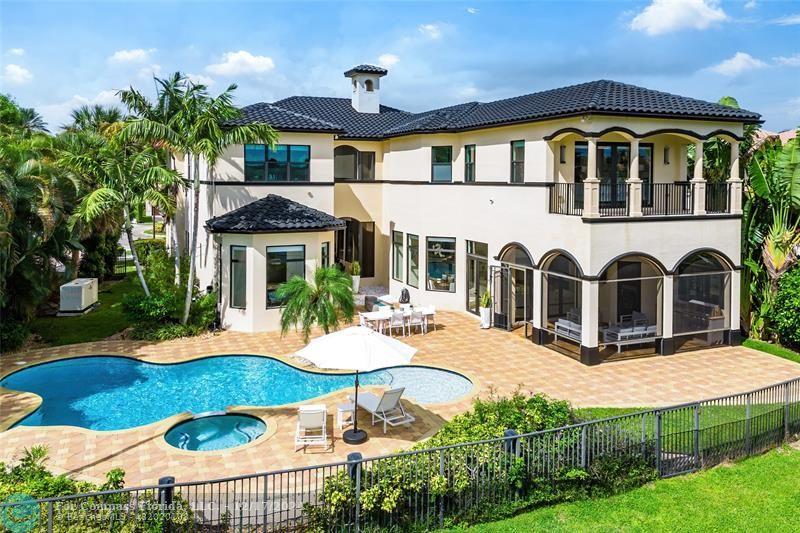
x,y
273,214
598,97
366,69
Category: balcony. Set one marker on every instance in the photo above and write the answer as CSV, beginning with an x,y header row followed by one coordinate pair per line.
x,y
641,199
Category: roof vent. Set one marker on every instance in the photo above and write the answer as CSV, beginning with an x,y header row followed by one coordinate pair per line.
x,y
366,87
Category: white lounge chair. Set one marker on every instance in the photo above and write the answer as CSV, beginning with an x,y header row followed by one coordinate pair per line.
x,y
312,426
387,408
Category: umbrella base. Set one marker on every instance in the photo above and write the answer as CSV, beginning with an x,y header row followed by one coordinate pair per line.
x,y
354,437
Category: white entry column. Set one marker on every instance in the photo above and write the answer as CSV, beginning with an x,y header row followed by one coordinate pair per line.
x,y
667,344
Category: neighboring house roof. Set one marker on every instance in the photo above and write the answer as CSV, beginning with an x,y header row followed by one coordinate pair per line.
x,y
596,97
366,69
273,214
762,136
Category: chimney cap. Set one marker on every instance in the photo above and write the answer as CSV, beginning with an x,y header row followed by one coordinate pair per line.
x,y
366,69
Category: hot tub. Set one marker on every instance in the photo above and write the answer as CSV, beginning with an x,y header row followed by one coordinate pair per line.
x,y
215,431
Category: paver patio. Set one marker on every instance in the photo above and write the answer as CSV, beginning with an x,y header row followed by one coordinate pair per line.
x,y
495,361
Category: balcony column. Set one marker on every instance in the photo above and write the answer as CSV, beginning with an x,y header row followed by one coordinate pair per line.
x,y
591,186
698,182
735,182
590,296
735,335
634,196
536,334
667,346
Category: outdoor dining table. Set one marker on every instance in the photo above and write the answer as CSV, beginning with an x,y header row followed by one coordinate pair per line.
x,y
384,316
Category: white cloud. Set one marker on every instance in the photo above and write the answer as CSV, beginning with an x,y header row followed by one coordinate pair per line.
x,y
201,79
16,75
136,55
788,61
16,51
739,63
665,16
788,20
432,31
472,10
241,62
751,4
57,114
388,60
149,72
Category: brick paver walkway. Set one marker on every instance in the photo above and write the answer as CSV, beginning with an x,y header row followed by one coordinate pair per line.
x,y
494,360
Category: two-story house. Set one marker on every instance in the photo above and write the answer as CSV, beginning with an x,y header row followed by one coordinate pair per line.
x,y
575,207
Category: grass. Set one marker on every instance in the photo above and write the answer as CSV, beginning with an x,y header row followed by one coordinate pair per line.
x,y
772,349
757,494
96,325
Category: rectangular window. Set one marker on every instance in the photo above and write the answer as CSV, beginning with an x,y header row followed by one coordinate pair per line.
x,y
441,163
283,263
441,264
517,161
412,267
366,166
325,254
238,275
469,163
397,255
254,162
283,162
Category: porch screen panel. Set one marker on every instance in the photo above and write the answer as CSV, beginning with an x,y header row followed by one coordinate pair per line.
x,y
701,303
238,277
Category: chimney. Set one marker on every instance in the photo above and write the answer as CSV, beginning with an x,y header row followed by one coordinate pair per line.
x,y
366,87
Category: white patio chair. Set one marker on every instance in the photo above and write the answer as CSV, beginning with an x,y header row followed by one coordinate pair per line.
x,y
417,320
397,320
430,316
312,426
387,408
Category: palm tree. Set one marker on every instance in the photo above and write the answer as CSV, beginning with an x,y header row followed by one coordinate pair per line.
x,y
93,118
32,121
324,302
202,128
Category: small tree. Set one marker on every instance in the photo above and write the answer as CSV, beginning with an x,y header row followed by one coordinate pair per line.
x,y
324,302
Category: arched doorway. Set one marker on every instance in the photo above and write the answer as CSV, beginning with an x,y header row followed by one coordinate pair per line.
x,y
562,310
512,287
701,300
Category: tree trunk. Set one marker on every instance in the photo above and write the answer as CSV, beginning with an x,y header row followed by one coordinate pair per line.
x,y
129,234
173,228
193,247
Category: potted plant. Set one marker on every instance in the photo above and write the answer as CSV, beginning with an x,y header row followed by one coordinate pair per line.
x,y
486,309
355,271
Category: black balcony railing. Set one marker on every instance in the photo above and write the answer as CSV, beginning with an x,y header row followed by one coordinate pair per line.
x,y
566,199
717,198
613,199
665,199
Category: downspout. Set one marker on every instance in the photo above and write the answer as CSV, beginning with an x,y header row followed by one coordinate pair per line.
x,y
218,314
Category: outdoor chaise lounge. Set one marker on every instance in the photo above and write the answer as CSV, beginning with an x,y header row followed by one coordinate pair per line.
x,y
632,329
388,408
569,326
312,426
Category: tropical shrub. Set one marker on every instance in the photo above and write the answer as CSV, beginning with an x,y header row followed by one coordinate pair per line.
x,y
99,256
145,247
785,316
12,334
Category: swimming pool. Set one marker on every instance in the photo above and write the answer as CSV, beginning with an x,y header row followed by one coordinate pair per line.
x,y
113,393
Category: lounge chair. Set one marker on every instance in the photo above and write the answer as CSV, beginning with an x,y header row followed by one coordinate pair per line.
x,y
312,426
388,408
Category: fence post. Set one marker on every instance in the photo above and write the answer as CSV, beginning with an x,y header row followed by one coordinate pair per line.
x,y
583,446
786,411
658,442
50,517
747,426
441,498
512,445
165,497
697,464
354,470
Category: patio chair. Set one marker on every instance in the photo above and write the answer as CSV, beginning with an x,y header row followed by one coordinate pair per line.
x,y
417,320
387,408
397,320
312,426
430,316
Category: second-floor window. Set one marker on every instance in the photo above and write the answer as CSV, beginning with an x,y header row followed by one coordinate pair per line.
x,y
397,255
283,162
441,163
352,164
517,161
469,163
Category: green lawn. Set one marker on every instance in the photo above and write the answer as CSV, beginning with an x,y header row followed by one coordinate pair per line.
x,y
757,494
772,349
98,324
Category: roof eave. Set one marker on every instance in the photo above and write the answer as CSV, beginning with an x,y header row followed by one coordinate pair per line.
x,y
292,230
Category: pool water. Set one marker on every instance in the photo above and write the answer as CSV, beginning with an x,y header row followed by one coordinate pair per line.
x,y
113,393
215,432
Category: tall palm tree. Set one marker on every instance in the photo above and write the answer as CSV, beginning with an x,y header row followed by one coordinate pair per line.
x,y
202,128
324,302
93,118
33,122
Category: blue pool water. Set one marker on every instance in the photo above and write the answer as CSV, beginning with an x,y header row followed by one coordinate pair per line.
x,y
112,393
215,432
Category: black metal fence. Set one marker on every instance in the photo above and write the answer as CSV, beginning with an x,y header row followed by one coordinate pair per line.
x,y
121,266
717,198
566,198
665,199
427,488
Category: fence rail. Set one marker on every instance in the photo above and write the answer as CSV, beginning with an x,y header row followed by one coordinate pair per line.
x,y
439,483
566,198
664,199
717,198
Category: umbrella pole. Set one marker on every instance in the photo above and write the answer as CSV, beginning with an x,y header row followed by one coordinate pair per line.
x,y
355,435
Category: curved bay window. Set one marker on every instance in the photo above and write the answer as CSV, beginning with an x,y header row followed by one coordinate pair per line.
x,y
283,263
562,313
701,300
352,164
441,264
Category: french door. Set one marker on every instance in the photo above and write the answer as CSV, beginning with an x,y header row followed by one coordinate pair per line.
x,y
477,280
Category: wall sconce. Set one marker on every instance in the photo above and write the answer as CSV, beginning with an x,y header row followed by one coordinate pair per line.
x,y
666,155
562,154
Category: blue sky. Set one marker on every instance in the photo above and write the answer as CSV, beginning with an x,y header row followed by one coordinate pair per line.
x,y
57,55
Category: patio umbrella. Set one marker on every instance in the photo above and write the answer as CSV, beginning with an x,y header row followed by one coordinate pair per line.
x,y
361,349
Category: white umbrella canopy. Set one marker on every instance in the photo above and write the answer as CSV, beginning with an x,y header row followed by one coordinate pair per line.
x,y
356,348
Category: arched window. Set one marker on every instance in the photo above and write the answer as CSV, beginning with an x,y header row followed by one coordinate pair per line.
x,y
516,255
701,297
345,163
562,300
369,86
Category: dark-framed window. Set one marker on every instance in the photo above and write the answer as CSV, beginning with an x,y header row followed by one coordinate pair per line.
x,y
325,254
517,161
397,255
412,262
469,163
441,263
357,243
610,155
283,263
282,162
238,277
441,163
352,164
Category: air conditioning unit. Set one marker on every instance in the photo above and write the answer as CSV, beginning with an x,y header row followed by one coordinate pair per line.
x,y
78,296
